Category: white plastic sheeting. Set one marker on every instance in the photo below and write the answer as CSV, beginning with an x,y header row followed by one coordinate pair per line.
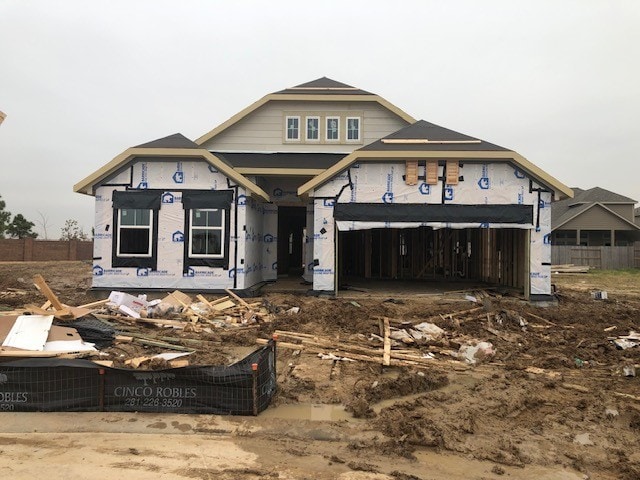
x,y
323,245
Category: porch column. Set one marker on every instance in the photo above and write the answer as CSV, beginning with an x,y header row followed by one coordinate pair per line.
x,y
578,236
613,238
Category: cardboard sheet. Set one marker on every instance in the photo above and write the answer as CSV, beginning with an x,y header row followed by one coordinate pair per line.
x,y
29,332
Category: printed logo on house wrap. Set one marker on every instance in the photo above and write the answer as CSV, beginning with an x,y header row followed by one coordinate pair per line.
x,y
448,194
144,182
543,204
329,202
242,200
387,197
102,236
192,272
167,197
98,271
234,272
268,238
547,239
274,266
322,271
518,173
142,272
424,188
178,177
177,236
521,196
212,169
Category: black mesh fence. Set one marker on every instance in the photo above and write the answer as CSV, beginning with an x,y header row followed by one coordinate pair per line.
x,y
244,388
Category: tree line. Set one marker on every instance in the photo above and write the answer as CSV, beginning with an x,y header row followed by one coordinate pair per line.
x,y
20,227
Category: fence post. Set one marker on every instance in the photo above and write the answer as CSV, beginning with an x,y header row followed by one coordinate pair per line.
x,y
254,369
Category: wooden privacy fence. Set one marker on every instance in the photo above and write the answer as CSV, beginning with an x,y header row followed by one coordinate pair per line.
x,y
32,250
605,258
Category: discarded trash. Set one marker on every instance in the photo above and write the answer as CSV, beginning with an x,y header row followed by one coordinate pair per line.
x,y
430,329
127,300
627,341
471,298
629,371
476,353
293,310
599,295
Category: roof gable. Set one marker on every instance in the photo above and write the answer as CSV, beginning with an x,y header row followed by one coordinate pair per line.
x,y
575,212
88,184
320,90
415,142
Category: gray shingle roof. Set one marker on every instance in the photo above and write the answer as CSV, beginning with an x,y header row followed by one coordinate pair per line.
x,y
324,86
423,130
177,140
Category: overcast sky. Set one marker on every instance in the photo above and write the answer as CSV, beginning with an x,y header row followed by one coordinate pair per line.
x,y
81,81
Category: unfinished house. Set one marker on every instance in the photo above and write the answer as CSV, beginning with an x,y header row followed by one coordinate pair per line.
x,y
327,182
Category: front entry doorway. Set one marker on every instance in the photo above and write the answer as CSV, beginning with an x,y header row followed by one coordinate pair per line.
x,y
291,224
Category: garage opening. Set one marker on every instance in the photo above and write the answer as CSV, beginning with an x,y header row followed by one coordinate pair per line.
x,y
494,256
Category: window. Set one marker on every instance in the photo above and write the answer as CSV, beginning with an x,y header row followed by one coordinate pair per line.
x,y
313,128
293,128
353,129
333,129
135,227
207,218
206,233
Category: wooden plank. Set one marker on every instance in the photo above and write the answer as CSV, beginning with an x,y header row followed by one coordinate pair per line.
x,y
41,285
99,303
237,298
386,356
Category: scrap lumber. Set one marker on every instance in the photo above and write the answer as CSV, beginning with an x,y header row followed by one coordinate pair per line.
x,y
154,321
386,356
346,354
42,286
250,313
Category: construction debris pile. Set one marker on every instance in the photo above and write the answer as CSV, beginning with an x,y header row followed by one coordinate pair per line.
x,y
129,331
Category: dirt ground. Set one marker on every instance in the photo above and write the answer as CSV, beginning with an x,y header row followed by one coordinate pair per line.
x,y
551,403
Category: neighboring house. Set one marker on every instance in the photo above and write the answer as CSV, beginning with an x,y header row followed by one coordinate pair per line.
x,y
637,215
593,218
326,181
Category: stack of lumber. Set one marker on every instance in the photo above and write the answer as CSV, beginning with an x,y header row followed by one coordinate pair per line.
x,y
570,268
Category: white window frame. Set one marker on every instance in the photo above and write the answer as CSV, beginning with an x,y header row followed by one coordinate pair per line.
x,y
306,128
326,130
135,227
286,128
221,228
354,140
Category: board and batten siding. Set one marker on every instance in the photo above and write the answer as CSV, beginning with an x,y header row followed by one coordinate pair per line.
x,y
263,129
596,218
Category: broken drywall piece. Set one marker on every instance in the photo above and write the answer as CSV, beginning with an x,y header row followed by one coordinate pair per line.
x,y
476,353
29,332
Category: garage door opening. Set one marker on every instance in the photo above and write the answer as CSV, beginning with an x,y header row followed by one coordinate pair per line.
x,y
492,256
